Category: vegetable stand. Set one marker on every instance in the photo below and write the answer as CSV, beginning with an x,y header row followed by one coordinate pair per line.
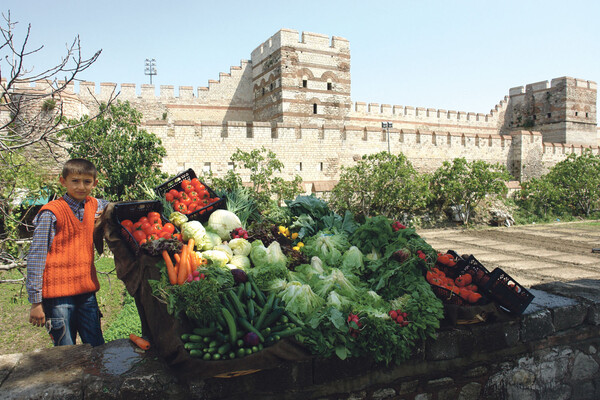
x,y
232,299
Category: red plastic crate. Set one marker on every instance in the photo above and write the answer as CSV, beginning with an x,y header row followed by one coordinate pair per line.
x,y
507,292
201,214
134,211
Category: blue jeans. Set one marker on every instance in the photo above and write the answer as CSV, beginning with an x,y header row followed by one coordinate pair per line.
x,y
67,316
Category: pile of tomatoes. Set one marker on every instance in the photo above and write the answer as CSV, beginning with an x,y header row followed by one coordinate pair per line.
x,y
150,227
192,196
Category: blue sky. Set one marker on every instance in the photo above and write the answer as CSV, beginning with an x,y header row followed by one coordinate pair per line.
x,y
455,55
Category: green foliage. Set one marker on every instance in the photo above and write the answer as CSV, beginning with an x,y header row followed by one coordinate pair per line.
x,y
380,184
126,322
126,157
465,184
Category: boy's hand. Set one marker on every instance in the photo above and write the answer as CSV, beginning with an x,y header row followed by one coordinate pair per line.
x,y
36,315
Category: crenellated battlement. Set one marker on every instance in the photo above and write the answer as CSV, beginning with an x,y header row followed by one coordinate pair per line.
x,y
305,40
556,83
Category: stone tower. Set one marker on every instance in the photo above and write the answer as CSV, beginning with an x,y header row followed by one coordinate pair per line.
x,y
564,111
303,80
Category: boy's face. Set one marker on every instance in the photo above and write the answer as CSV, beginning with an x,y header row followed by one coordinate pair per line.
x,y
79,186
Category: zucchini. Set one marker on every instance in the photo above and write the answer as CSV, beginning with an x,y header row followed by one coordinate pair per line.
x,y
240,291
248,326
235,301
225,302
205,331
259,295
230,324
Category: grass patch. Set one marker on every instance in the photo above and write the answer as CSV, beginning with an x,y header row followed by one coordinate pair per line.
x,y
17,335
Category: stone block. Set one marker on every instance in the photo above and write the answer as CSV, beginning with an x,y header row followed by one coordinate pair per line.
x,y
450,344
494,336
536,326
566,312
332,369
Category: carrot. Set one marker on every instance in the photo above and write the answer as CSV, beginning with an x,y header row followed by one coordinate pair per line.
x,y
183,266
139,342
170,268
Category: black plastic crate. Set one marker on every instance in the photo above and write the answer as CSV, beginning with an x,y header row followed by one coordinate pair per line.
x,y
201,214
454,271
133,211
447,296
480,274
507,292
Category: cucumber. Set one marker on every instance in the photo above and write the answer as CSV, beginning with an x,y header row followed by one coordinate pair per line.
x,y
240,291
248,290
230,325
193,346
241,352
251,311
294,318
224,348
196,353
216,356
206,356
259,295
225,302
196,338
265,311
231,355
288,332
185,337
273,316
235,301
213,343
248,326
205,331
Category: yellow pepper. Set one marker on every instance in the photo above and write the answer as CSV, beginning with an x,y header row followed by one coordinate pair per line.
x,y
296,248
294,235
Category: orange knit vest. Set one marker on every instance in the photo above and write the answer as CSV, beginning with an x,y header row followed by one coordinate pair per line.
x,y
70,266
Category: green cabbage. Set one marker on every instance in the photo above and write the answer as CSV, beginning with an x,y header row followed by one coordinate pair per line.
x,y
240,246
352,261
225,249
223,222
272,255
336,280
178,219
300,299
216,257
209,241
328,247
193,230
241,262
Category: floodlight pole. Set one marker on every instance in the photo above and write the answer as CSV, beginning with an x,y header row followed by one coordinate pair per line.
x,y
387,126
150,68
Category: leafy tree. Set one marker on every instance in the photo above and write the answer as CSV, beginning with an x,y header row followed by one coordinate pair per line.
x,y
30,150
380,184
465,184
126,157
577,179
539,196
263,165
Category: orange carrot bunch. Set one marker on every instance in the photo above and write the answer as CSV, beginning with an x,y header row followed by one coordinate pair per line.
x,y
186,264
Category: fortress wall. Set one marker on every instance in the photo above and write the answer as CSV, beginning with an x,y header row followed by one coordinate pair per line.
x,y
315,152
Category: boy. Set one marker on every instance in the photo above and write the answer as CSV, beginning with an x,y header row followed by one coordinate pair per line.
x,y
61,276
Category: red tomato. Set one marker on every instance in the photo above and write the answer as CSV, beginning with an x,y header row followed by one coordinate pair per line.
x,y
142,242
153,214
185,182
126,223
139,236
195,199
169,197
203,194
175,204
183,196
165,235
169,227
174,193
188,188
192,206
154,236
193,193
187,201
137,226
143,219
146,225
178,237
182,208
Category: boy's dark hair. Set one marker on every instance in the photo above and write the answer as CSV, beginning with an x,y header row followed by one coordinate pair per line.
x,y
79,166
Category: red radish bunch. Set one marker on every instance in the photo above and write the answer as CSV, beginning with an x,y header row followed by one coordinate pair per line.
x,y
421,255
396,226
239,233
354,325
399,317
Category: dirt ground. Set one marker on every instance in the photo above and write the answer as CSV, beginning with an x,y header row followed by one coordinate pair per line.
x,y
530,254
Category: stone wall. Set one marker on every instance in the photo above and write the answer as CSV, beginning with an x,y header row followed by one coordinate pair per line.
x,y
551,352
